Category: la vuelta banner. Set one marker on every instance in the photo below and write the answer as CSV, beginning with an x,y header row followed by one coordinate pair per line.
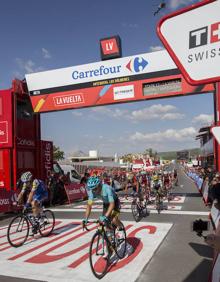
x,y
140,77
75,191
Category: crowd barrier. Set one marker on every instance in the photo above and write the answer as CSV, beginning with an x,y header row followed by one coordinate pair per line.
x,y
75,191
203,187
198,180
215,276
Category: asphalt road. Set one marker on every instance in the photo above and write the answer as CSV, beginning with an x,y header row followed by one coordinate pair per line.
x,y
175,255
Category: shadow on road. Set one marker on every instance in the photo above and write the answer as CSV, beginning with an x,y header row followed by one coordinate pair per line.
x,y
202,250
201,273
193,195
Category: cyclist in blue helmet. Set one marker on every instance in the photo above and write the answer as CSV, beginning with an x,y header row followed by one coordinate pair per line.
x,y
111,203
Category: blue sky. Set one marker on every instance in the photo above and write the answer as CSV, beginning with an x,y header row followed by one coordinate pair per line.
x,y
43,35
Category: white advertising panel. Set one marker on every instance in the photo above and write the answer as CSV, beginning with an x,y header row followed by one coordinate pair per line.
x,y
117,68
192,37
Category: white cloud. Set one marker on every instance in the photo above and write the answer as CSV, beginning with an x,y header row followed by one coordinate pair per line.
x,y
46,53
115,113
156,112
174,4
203,119
28,66
172,116
167,135
156,48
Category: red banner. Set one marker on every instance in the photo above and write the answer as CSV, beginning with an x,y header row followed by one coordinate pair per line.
x,y
75,191
8,200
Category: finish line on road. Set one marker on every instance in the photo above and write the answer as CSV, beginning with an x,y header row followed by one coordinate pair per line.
x,y
64,255
172,212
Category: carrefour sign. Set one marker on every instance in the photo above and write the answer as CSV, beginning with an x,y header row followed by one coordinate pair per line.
x,y
90,74
192,37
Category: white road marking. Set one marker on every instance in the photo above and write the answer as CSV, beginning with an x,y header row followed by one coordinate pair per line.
x,y
173,212
63,257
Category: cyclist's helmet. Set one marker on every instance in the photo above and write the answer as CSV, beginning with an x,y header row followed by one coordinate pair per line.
x,y
93,182
27,176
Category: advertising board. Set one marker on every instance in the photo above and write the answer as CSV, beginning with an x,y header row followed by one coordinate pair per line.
x,y
136,78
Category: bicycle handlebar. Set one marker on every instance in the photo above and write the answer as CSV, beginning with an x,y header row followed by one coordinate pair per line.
x,y
92,221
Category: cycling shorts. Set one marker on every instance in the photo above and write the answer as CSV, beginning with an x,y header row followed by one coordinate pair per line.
x,y
116,210
40,197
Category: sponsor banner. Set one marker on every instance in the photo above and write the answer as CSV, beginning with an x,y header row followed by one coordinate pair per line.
x,y
205,191
46,159
66,251
196,44
47,81
215,214
6,131
3,132
75,191
114,81
162,87
8,200
123,92
110,92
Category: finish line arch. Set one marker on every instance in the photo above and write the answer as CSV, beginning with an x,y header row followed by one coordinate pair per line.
x,y
141,77
129,79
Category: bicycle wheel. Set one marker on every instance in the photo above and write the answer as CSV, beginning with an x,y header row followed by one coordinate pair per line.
x,y
135,210
46,223
99,255
158,204
144,209
18,231
120,241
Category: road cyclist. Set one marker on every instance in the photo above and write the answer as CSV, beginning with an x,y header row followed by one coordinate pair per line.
x,y
111,208
33,216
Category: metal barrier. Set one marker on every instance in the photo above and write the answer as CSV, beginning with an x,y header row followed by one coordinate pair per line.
x,y
215,276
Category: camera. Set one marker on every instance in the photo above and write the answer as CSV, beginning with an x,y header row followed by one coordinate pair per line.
x,y
199,226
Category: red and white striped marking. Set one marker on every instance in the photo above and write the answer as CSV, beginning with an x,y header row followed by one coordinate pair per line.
x,y
64,255
176,199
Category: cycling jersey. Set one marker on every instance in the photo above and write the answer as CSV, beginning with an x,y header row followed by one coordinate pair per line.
x,y
39,189
107,194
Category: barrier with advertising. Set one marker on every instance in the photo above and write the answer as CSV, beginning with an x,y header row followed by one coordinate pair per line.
x,y
7,200
198,180
215,214
75,191
205,191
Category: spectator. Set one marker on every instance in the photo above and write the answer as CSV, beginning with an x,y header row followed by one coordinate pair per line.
x,y
51,184
85,178
213,240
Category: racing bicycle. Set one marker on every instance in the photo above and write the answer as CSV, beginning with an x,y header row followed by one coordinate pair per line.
x,y
103,246
139,206
158,200
19,227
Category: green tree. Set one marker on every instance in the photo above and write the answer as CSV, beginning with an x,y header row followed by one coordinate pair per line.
x,y
57,153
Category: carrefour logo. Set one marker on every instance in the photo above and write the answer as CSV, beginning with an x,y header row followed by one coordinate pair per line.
x,y
137,64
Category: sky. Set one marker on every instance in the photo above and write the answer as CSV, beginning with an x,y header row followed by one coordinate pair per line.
x,y
51,34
